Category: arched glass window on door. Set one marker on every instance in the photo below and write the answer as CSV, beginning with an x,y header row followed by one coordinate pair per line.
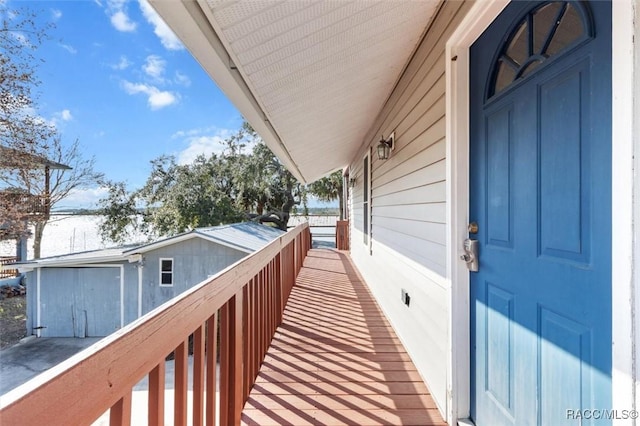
x,y
542,34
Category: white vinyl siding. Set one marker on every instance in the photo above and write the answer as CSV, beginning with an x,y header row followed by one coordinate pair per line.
x,y
408,206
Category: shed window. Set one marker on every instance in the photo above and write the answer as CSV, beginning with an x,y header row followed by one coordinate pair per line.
x,y
166,272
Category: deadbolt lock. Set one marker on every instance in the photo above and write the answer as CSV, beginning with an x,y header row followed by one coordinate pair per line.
x,y
473,228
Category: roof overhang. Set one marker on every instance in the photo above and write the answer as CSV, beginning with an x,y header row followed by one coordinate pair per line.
x,y
311,77
13,158
73,262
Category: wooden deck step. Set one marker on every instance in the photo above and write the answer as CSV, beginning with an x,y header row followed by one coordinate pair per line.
x,y
335,360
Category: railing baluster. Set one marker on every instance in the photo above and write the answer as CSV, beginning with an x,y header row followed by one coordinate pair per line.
x,y
246,378
156,394
265,314
236,357
260,336
198,376
225,349
212,346
120,413
267,287
278,282
181,357
274,305
255,346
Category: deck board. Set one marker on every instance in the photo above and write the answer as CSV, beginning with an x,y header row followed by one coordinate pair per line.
x,y
335,360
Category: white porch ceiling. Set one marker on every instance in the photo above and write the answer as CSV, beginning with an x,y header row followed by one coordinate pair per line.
x,y
310,76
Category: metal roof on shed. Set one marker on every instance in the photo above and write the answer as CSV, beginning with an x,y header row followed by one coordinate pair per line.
x,y
245,236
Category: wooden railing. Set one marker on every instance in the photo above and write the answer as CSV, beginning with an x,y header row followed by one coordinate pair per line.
x,y
23,204
247,300
342,235
8,272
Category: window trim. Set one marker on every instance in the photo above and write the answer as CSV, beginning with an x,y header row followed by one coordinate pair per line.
x,y
160,271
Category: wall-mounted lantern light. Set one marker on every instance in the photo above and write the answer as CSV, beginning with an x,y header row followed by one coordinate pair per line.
x,y
385,146
352,182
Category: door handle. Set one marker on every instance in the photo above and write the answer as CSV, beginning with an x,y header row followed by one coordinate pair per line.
x,y
470,255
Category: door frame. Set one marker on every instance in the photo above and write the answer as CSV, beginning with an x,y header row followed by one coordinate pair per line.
x,y
624,258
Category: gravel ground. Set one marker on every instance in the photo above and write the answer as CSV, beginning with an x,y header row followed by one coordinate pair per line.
x,y
13,316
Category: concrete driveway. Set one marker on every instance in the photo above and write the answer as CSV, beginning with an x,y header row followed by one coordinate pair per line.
x,y
22,362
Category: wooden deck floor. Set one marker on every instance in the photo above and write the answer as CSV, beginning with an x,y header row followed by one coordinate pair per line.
x,y
335,360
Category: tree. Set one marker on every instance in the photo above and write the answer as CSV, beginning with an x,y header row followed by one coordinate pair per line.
x,y
23,133
267,189
53,184
329,188
120,216
245,182
20,37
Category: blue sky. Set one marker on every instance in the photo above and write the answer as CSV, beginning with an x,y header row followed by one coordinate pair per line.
x,y
117,79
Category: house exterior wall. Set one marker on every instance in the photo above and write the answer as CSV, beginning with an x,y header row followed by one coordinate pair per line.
x,y
408,207
193,261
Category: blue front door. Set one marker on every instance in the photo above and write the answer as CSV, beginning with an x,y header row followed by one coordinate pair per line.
x,y
540,193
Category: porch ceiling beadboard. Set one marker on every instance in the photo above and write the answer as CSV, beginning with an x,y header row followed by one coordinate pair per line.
x,y
318,71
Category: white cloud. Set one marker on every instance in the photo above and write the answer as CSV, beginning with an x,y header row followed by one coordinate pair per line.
x,y
154,67
164,33
65,114
156,98
68,48
161,99
205,141
201,145
122,64
198,132
56,14
84,198
121,22
182,79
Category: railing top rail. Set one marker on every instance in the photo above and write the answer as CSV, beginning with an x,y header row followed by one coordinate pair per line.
x,y
97,377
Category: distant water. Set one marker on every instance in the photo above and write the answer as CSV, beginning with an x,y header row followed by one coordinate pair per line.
x,y
75,233
67,234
